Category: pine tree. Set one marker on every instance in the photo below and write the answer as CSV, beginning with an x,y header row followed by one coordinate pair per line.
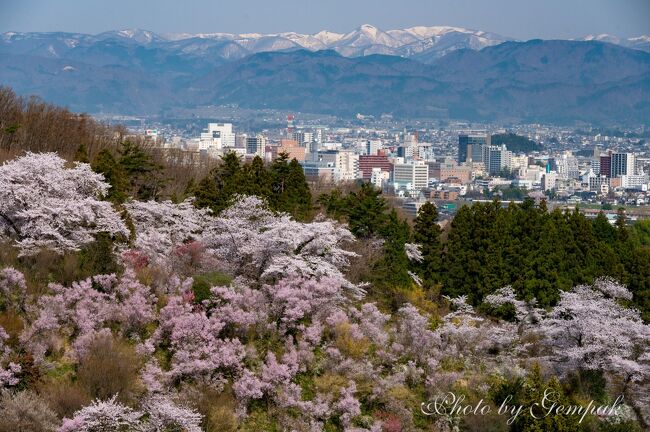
x,y
145,176
367,211
257,179
603,230
392,269
114,174
335,204
290,191
427,235
299,195
218,188
621,225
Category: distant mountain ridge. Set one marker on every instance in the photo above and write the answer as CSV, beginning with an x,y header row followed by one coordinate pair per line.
x,y
550,81
421,41
417,72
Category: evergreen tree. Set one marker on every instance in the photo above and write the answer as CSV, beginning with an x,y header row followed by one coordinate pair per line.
x,y
114,174
289,189
427,235
335,204
621,225
299,195
366,211
392,269
218,188
603,230
257,179
145,176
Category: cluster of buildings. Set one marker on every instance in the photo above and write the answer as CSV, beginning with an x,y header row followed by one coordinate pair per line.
x,y
449,164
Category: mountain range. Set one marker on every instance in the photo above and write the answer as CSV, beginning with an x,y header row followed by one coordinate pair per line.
x,y
419,71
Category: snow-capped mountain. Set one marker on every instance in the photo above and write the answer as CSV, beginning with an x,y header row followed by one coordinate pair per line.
x,y
365,40
639,42
425,44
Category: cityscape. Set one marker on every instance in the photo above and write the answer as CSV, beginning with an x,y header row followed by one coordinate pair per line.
x,y
593,169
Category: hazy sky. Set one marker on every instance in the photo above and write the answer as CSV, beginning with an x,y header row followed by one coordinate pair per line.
x,y
522,19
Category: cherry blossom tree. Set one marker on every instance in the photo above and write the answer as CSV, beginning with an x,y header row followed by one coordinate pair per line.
x,y
43,204
161,227
260,244
13,289
86,308
590,329
8,369
157,414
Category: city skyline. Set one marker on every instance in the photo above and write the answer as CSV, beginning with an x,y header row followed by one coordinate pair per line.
x,y
552,19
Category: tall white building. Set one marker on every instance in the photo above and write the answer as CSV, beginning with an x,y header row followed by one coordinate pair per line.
x,y
413,176
566,166
346,163
217,136
378,177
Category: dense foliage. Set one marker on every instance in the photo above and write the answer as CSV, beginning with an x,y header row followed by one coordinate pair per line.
x,y
282,184
233,315
491,245
515,143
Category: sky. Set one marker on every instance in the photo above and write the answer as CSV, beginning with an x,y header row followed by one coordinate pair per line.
x,y
520,19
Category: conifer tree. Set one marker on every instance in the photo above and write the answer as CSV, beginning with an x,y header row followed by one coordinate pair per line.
x,y
114,174
367,211
392,269
218,188
603,230
427,235
145,175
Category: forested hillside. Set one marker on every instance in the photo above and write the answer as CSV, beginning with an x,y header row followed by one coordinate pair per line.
x,y
237,298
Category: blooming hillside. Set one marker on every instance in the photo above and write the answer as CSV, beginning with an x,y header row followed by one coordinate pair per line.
x,y
249,320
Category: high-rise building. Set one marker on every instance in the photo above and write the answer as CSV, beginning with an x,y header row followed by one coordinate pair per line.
x,y
449,169
566,166
378,177
623,164
405,151
373,146
290,147
346,163
414,176
496,158
549,179
256,145
470,146
605,168
303,138
217,136
368,162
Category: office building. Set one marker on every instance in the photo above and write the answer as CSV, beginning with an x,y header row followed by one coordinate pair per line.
x,y
291,148
412,176
345,162
373,146
256,145
217,136
496,158
368,162
623,164
470,146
